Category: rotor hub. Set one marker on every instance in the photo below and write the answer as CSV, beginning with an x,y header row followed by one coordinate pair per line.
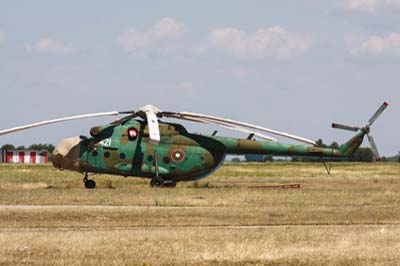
x,y
366,129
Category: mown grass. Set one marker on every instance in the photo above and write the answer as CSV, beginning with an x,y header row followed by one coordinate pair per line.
x,y
351,217
208,246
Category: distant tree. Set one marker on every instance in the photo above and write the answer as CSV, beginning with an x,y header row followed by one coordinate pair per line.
x,y
334,145
363,155
48,147
22,147
319,143
8,147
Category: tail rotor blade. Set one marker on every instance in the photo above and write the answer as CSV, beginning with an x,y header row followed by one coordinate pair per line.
x,y
344,127
377,113
374,148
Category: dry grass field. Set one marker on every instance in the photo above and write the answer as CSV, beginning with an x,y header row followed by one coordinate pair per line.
x,y
351,217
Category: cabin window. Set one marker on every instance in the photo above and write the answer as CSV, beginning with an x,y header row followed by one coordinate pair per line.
x,y
166,160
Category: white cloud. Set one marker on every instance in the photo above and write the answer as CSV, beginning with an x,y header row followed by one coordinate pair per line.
x,y
370,5
2,36
268,42
389,44
165,29
48,45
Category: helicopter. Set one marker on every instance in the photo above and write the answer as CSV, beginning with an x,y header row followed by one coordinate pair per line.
x,y
140,144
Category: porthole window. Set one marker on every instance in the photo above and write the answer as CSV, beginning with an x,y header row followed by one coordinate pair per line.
x,y
150,158
95,153
107,154
166,160
122,156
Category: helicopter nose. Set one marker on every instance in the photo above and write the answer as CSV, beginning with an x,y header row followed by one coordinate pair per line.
x,y
66,154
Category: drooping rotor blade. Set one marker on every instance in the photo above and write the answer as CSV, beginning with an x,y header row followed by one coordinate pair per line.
x,y
255,134
151,113
216,120
373,147
377,113
243,130
59,120
236,128
154,130
340,126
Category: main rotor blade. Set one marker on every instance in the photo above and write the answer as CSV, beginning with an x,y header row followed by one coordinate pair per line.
x,y
377,113
340,126
154,130
216,120
373,147
59,120
228,126
243,130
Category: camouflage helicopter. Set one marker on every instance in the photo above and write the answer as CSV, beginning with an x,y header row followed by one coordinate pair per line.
x,y
141,145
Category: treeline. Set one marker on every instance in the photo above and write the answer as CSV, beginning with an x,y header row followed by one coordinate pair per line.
x,y
48,147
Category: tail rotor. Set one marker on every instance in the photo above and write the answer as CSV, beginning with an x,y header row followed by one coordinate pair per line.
x,y
366,129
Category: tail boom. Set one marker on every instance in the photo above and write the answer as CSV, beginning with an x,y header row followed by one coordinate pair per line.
x,y
245,146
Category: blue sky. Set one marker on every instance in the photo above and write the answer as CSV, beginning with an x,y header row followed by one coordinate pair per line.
x,y
293,66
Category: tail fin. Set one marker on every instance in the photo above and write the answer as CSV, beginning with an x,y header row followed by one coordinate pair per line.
x,y
351,146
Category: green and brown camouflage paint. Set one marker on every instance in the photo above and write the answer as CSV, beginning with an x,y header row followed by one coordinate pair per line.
x,y
181,156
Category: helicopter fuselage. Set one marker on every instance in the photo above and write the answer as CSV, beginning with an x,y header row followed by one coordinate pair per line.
x,y
125,149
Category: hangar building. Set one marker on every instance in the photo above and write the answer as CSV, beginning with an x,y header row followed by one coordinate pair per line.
x,y
24,156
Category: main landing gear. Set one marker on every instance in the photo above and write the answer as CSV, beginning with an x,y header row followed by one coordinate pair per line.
x,y
89,184
159,182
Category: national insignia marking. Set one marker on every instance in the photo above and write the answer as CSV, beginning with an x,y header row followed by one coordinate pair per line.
x,y
177,155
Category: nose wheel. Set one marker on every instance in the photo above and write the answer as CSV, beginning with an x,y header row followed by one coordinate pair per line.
x,y
89,184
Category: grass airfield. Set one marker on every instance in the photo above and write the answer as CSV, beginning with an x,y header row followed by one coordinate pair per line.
x,y
351,217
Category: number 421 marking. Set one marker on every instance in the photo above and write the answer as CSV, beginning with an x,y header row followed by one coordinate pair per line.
x,y
105,142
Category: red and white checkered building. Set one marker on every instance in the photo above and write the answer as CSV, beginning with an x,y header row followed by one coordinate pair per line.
x,y
24,156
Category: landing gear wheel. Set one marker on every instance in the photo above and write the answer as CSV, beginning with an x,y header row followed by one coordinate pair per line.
x,y
170,184
157,182
90,184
